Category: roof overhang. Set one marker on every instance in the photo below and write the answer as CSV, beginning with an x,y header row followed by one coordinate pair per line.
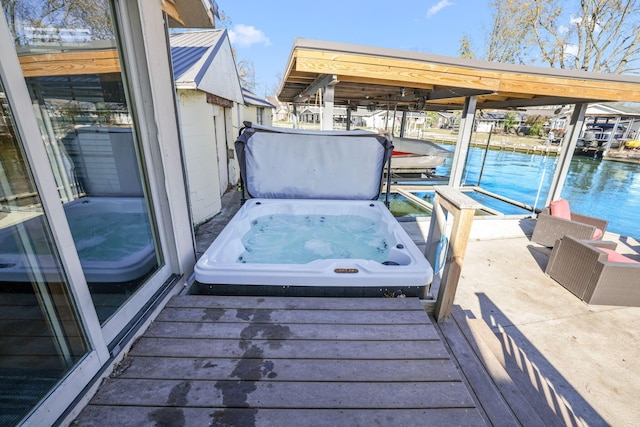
x,y
406,80
189,13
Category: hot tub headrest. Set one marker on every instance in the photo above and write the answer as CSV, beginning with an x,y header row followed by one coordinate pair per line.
x,y
302,164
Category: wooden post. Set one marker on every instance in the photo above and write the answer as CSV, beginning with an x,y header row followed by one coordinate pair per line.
x,y
463,209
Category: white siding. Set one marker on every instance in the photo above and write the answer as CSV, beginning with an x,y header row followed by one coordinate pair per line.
x,y
201,153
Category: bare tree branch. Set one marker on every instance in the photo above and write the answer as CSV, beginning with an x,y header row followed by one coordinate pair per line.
x,y
593,35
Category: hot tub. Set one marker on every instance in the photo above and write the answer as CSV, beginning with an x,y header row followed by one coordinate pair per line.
x,y
395,259
313,219
112,236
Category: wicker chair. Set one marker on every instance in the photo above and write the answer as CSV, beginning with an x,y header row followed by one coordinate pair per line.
x,y
550,228
585,270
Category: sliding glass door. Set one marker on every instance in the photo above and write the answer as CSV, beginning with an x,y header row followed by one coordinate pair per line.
x,y
70,60
86,243
41,337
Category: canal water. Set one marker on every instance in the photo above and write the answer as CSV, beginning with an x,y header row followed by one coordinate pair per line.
x,y
600,188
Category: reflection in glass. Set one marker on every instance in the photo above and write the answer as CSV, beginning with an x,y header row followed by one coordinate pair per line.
x,y
40,335
69,57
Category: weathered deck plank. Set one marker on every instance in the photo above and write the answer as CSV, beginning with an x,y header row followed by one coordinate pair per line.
x,y
297,303
319,370
280,331
290,394
220,315
100,416
301,349
287,361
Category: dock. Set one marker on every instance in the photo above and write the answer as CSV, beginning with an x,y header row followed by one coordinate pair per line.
x,y
286,361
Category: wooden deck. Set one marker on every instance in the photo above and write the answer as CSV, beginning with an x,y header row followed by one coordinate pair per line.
x,y
245,361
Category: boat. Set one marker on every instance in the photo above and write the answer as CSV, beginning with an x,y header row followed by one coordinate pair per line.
x,y
417,157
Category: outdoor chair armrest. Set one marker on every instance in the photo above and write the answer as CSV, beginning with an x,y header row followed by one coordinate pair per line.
x,y
550,228
614,283
597,222
607,244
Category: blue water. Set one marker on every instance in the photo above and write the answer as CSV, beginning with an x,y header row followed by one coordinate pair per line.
x,y
300,239
600,188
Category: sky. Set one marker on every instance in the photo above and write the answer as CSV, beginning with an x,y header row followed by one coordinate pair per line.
x,y
263,32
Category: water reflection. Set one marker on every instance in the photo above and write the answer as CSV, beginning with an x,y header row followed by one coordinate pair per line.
x,y
600,188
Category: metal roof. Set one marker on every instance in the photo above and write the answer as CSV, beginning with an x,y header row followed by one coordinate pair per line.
x,y
363,75
251,98
193,51
204,60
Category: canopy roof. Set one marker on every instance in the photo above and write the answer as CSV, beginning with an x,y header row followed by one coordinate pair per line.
x,y
378,77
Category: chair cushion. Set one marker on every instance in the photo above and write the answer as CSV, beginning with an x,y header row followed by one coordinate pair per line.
x,y
597,234
560,208
613,256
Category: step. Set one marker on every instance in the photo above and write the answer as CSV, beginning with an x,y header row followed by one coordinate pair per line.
x,y
526,383
483,389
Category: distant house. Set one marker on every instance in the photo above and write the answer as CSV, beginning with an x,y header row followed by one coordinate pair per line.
x,y
620,121
446,120
208,115
282,111
496,119
257,110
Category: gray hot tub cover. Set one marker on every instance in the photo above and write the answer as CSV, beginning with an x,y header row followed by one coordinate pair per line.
x,y
281,163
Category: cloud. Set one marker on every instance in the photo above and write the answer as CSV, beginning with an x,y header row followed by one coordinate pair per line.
x,y
563,30
575,20
438,7
247,35
571,49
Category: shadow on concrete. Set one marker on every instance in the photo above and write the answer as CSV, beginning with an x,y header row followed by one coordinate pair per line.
x,y
527,225
540,254
534,375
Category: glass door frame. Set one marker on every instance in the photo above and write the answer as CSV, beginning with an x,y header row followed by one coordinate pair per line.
x,y
28,130
145,61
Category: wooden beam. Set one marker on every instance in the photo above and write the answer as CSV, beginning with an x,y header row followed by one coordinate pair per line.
x,y
320,82
70,63
410,71
387,82
408,76
456,93
169,7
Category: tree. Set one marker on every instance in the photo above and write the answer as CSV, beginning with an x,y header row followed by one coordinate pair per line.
x,y
26,17
591,35
246,74
510,120
507,40
466,48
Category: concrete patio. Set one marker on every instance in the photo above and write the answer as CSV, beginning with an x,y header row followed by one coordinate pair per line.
x,y
572,353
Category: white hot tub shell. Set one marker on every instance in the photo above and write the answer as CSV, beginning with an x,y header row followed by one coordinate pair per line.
x,y
405,264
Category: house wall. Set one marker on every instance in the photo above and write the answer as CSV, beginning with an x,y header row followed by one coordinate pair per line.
x,y
198,120
250,113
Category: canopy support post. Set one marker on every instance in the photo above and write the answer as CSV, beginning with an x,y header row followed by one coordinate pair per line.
x,y
327,111
566,154
463,142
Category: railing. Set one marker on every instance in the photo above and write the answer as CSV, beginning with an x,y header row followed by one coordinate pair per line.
x,y
446,254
